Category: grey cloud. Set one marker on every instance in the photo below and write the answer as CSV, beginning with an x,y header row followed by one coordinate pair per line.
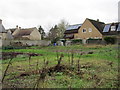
x,y
29,13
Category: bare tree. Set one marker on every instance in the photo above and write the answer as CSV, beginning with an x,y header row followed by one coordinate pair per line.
x,y
58,30
62,27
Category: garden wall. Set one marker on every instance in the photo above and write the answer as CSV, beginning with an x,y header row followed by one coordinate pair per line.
x,y
95,41
26,42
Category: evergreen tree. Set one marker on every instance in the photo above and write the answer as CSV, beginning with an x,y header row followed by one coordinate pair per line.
x,y
42,32
53,33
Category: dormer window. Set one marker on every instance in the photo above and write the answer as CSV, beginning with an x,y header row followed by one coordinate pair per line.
x,y
113,28
84,30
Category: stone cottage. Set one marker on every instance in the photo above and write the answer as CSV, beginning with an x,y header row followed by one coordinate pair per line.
x,y
26,34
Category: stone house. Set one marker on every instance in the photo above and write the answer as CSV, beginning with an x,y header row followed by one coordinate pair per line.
x,y
89,29
92,29
26,34
4,35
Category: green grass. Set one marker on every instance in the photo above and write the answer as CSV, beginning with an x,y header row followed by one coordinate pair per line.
x,y
98,62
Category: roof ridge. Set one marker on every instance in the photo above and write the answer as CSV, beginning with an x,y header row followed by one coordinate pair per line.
x,y
95,21
28,28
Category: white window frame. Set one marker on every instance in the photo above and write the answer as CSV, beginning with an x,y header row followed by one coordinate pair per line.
x,y
113,28
90,29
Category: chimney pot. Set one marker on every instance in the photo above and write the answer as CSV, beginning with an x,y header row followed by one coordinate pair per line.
x,y
19,27
16,26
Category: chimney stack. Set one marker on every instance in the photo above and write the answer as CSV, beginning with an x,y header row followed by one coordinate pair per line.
x,y
0,21
97,20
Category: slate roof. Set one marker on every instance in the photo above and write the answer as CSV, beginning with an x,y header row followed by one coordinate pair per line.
x,y
109,32
72,29
102,26
70,36
99,25
24,32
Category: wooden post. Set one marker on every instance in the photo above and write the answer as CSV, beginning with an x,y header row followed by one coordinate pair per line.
x,y
78,66
72,57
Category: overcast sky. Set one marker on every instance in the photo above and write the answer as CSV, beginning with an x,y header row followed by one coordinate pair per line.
x,y
32,13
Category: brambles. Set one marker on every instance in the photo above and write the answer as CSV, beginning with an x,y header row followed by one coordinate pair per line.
x,y
52,68
6,70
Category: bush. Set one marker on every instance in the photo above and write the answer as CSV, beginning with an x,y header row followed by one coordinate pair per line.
x,y
110,40
55,40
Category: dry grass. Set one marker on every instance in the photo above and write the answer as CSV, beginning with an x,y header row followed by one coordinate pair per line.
x,y
97,70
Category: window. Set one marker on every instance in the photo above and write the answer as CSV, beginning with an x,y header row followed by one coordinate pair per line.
x,y
90,29
84,31
113,28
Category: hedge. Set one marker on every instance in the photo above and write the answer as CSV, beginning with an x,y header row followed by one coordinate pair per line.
x,y
110,40
77,41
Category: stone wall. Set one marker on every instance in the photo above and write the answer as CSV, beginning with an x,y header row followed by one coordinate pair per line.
x,y
26,42
95,41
